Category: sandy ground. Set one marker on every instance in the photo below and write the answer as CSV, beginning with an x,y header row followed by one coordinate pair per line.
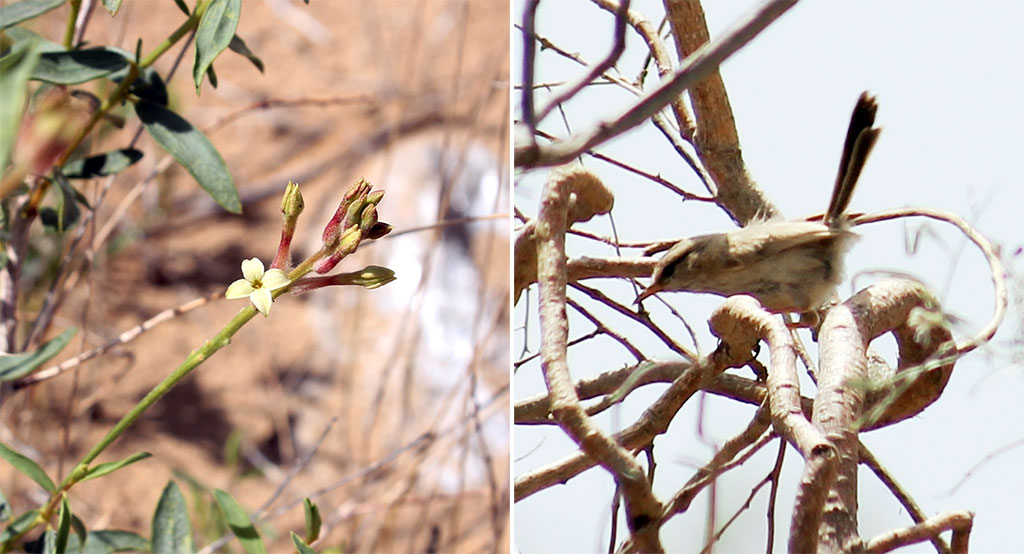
x,y
383,384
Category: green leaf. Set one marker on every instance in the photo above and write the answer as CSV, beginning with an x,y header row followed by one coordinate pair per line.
x,y
112,6
100,165
51,219
65,214
20,33
149,85
14,366
313,520
15,13
214,35
300,546
25,465
172,531
239,523
78,66
5,508
15,69
99,470
193,151
182,6
107,542
238,46
63,525
79,527
212,75
19,525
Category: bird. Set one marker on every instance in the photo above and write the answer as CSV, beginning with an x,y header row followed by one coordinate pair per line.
x,y
788,266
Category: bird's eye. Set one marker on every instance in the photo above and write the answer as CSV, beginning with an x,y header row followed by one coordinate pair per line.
x,y
670,269
680,261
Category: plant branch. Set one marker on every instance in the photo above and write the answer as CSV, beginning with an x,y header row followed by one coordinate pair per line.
x,y
642,508
692,70
618,47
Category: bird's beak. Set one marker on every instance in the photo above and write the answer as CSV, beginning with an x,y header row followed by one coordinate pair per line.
x,y
649,291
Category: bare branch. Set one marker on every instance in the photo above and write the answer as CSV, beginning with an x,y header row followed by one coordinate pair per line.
x,y
618,47
662,61
996,269
959,522
837,405
722,461
642,508
915,511
655,421
529,59
123,338
694,68
605,330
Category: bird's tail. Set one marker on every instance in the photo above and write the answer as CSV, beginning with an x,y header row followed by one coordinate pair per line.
x,y
860,139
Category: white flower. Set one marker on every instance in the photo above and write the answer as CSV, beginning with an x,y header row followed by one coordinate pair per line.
x,y
257,285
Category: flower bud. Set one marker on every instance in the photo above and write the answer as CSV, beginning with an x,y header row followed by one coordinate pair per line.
x,y
333,228
291,207
327,264
354,213
359,188
349,212
350,241
369,217
292,203
374,197
372,276
378,230
347,244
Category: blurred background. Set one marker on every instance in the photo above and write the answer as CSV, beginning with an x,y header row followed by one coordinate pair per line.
x,y
388,407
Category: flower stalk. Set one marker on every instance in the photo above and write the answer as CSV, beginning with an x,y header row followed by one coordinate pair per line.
x,y
370,277
358,208
354,220
291,206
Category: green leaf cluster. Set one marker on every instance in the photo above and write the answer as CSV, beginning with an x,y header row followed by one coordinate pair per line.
x,y
26,57
170,530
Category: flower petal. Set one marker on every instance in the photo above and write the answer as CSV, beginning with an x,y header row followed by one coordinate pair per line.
x,y
262,299
274,279
239,289
252,269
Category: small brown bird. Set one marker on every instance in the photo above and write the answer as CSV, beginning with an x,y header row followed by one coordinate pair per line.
x,y
788,266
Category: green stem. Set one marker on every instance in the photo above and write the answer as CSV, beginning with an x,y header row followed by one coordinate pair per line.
x,y
115,97
69,27
121,91
305,267
198,356
185,28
